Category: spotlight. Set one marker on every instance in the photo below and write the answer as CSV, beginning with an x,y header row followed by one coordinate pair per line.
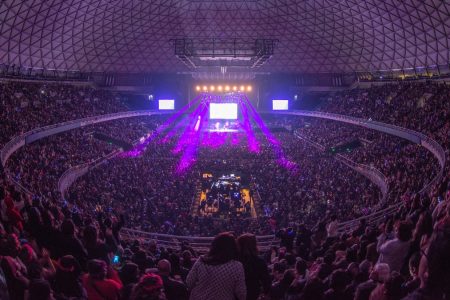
x,y
249,88
197,88
235,88
212,88
227,88
219,88
242,88
205,88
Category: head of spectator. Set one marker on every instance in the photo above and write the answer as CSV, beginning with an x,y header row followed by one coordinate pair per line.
x,y
67,277
380,273
403,231
301,268
164,267
97,269
68,228
129,273
278,270
247,245
223,249
149,287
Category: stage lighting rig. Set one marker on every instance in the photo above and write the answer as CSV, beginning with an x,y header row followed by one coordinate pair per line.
x,y
220,52
220,88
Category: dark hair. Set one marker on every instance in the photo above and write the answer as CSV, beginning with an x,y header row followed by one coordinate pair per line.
x,y
424,226
247,245
301,266
97,269
67,227
39,289
279,267
404,231
394,286
129,273
223,249
313,289
148,288
90,236
339,280
288,277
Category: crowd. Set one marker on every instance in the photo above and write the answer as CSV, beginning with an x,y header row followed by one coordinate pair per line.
x,y
26,106
163,204
398,159
74,250
39,165
55,252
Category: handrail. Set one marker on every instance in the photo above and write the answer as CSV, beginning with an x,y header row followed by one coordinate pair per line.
x,y
202,244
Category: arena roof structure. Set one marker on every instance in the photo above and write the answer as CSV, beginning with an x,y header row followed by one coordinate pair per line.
x,y
312,36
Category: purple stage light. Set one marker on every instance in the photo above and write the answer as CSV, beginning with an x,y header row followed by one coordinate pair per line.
x,y
191,139
282,160
140,148
253,143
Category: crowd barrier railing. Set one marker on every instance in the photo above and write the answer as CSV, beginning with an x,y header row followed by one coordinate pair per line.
x,y
72,174
200,244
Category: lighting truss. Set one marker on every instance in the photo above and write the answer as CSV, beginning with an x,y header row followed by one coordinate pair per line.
x,y
248,53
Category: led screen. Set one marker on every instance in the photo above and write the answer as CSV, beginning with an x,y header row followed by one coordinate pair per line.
x,y
166,104
223,111
280,104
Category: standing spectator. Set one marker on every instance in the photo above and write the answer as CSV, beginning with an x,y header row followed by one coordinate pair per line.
x,y
218,275
394,252
257,276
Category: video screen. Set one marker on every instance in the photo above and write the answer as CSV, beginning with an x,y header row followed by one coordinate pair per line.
x,y
165,104
223,111
280,104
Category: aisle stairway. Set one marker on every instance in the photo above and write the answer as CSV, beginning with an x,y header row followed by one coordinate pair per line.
x,y
196,201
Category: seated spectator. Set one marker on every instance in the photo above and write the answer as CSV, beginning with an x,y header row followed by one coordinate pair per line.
x,y
339,280
97,285
129,275
149,287
414,282
173,289
378,276
67,281
280,288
